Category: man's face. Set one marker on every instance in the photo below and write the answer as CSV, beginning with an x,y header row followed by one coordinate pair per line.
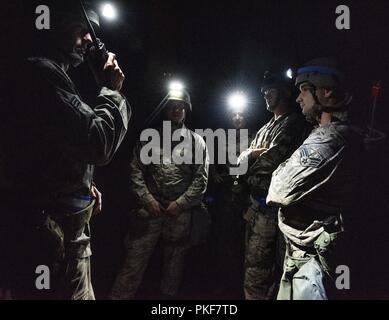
x,y
238,120
272,97
76,40
176,112
307,102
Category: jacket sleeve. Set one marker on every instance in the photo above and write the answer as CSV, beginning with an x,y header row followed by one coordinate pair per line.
x,y
196,190
310,167
89,133
283,144
137,181
245,155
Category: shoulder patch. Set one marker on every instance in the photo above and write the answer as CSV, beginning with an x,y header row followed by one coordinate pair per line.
x,y
310,157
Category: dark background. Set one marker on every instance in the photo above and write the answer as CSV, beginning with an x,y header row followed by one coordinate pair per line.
x,y
216,47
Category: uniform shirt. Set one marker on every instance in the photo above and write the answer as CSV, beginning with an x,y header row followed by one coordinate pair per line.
x,y
52,139
317,181
168,181
281,136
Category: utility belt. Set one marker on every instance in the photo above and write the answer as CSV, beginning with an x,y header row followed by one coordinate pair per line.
x,y
301,216
321,250
58,236
306,238
323,240
331,224
30,214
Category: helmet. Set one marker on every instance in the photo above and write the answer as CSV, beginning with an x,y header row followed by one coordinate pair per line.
x,y
324,73
275,80
65,12
179,95
93,17
319,73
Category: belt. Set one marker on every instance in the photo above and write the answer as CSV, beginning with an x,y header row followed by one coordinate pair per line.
x,y
74,223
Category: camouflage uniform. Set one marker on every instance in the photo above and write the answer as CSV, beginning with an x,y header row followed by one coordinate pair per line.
x,y
312,189
164,182
264,245
49,147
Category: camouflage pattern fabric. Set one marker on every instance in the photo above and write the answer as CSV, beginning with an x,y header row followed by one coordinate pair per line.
x,y
174,232
49,147
265,250
281,136
309,271
62,243
163,182
184,183
314,186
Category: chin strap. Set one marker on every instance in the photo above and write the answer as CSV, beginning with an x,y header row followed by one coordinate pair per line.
x,y
339,107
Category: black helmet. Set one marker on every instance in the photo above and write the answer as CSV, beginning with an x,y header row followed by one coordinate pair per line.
x,y
63,12
319,73
324,73
275,80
